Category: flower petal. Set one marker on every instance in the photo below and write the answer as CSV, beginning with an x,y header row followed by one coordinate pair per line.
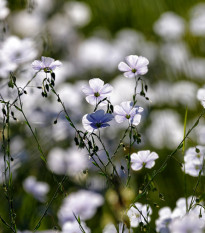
x,y
55,64
136,166
96,84
129,74
47,61
91,99
136,119
120,119
87,90
142,70
106,89
37,65
123,67
132,60
150,164
142,61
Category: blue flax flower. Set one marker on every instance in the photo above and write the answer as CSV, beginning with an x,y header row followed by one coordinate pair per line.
x,y
96,120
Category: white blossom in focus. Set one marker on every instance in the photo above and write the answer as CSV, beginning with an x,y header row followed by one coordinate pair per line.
x,y
97,91
143,158
135,66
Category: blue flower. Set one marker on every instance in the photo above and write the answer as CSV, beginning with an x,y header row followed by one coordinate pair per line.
x,y
96,120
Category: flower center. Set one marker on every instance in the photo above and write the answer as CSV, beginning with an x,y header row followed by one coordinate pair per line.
x,y
47,69
128,116
198,156
96,94
134,70
98,125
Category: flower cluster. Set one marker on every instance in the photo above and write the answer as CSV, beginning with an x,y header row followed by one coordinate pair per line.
x,y
97,94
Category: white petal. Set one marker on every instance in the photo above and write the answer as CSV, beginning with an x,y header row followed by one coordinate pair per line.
x,y
96,84
132,60
37,65
91,99
120,119
129,74
86,124
47,61
142,61
136,119
153,156
142,70
106,89
123,67
55,64
150,164
119,110
87,90
136,166
127,106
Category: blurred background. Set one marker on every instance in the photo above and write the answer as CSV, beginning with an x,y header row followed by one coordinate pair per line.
x,y
90,38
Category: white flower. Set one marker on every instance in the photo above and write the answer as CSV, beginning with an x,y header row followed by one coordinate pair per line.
x,y
4,11
71,161
46,64
201,96
97,91
135,66
36,188
170,26
82,203
197,21
74,227
194,161
143,158
139,214
189,223
164,220
127,112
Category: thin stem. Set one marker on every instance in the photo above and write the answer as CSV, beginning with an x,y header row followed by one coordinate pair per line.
x,y
169,157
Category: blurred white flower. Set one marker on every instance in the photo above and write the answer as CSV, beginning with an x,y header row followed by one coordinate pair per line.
x,y
139,214
165,218
78,12
143,159
188,223
74,227
82,203
165,130
36,188
4,11
46,64
19,51
135,66
201,96
127,112
97,91
95,53
110,228
26,24
194,160
197,20
169,26
72,161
